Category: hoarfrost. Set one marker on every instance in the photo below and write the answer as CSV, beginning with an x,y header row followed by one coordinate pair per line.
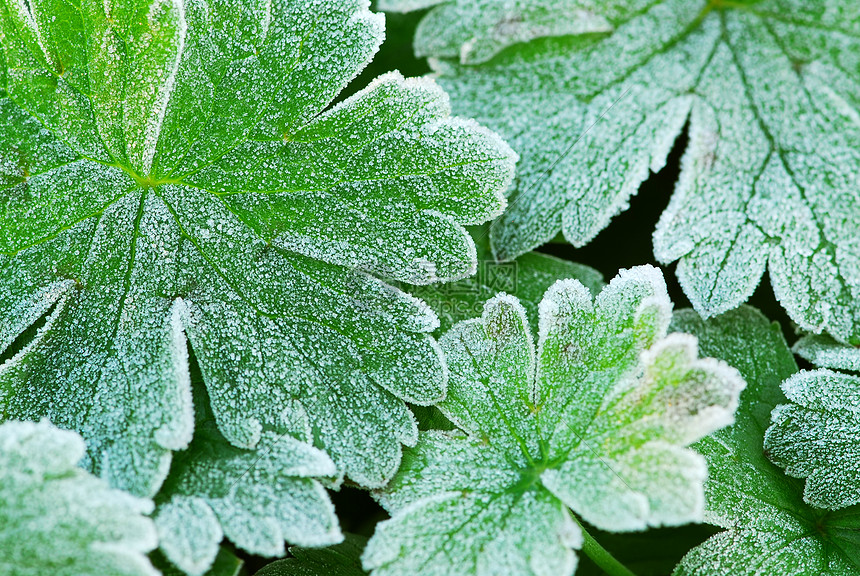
x,y
817,436
256,498
769,527
825,352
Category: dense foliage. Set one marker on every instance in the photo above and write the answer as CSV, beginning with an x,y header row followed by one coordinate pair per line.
x,y
262,295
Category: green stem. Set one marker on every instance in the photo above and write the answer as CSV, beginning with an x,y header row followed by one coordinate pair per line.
x,y
600,556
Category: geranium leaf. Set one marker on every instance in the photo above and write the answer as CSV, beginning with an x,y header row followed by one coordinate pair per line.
x,y
169,170
56,518
593,95
817,436
769,528
255,498
495,494
340,560
527,278
826,352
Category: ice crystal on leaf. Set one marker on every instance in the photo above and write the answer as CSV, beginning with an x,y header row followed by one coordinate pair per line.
x,y
769,528
169,169
769,90
817,436
57,519
596,420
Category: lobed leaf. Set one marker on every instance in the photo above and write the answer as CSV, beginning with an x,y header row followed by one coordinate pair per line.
x,y
255,498
57,519
495,494
768,527
173,170
817,436
595,100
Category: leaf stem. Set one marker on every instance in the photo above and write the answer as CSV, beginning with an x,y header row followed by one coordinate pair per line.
x,y
601,556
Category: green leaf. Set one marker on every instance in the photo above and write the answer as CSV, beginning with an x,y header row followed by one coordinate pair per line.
x,y
825,352
769,528
57,519
592,95
595,420
817,436
170,170
476,31
340,560
256,498
527,278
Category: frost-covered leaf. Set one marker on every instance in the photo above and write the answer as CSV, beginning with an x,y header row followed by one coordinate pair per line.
x,y
596,420
477,30
255,498
58,520
169,169
343,559
527,278
817,436
825,352
770,90
769,528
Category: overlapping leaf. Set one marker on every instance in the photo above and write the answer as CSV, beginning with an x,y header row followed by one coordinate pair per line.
x,y
341,560
57,519
255,498
168,169
597,421
769,528
817,436
769,89
825,352
527,278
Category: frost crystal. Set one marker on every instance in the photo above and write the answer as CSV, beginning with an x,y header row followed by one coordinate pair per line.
x,y
57,519
817,436
769,528
769,90
169,169
597,420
